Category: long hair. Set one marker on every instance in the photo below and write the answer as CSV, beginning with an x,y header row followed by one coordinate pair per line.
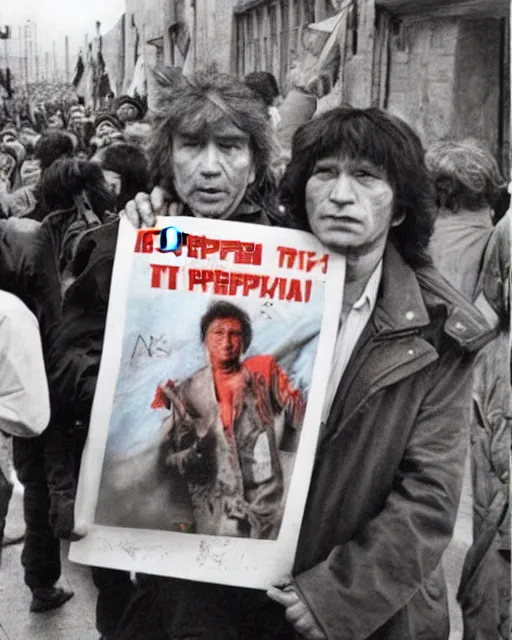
x,y
465,174
201,102
385,141
68,178
130,162
53,145
264,85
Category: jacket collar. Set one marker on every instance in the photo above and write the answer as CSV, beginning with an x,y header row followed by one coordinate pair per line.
x,y
409,300
400,305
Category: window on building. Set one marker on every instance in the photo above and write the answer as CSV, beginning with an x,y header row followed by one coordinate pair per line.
x,y
269,35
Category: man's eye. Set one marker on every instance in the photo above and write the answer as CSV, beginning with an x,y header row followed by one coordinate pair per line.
x,y
228,146
362,173
326,172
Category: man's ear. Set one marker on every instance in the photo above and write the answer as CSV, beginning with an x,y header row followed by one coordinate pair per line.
x,y
252,174
398,218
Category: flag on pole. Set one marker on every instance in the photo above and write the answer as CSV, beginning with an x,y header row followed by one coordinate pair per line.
x,y
79,71
5,32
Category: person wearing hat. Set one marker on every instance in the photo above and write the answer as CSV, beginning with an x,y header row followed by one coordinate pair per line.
x,y
107,129
129,109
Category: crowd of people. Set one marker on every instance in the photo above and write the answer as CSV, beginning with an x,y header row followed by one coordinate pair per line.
x,y
419,398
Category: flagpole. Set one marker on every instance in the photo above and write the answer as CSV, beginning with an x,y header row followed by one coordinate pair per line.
x,y
67,58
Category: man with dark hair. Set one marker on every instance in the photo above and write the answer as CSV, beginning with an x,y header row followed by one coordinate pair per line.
x,y
53,145
125,169
264,85
226,444
107,129
399,397
388,469
210,153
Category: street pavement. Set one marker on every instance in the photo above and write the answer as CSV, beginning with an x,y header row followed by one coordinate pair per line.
x,y
75,619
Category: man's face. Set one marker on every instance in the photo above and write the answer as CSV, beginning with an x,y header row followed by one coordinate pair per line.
x,y
127,113
212,170
55,122
224,341
106,128
349,204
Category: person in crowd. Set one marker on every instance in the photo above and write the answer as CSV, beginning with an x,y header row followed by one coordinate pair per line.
x,y
265,85
53,145
107,129
475,258
15,200
388,470
297,108
27,201
8,162
468,183
128,110
74,198
224,174
484,590
82,152
125,169
56,120
12,178
24,397
28,271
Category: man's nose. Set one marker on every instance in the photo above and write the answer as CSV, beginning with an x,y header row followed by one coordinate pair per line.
x,y
210,160
343,190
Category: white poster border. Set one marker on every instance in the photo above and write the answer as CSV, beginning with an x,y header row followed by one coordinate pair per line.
x,y
224,560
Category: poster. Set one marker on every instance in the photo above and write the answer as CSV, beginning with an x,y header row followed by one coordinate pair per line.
x,y
208,403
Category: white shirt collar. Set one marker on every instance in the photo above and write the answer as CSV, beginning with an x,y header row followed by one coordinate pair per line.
x,y
371,290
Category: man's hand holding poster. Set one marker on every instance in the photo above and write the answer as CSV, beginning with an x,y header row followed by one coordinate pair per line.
x,y
208,404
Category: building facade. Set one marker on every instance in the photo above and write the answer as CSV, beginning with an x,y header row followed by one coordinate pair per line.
x,y
442,65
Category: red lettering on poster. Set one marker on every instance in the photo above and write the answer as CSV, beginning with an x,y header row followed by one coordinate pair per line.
x,y
157,270
290,258
233,283
144,241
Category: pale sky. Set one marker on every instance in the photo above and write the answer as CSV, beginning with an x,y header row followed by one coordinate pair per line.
x,y
57,18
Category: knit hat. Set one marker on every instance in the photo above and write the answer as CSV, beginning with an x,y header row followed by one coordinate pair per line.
x,y
132,102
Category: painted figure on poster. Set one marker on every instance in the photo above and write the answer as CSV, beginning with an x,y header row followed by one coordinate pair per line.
x,y
228,422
